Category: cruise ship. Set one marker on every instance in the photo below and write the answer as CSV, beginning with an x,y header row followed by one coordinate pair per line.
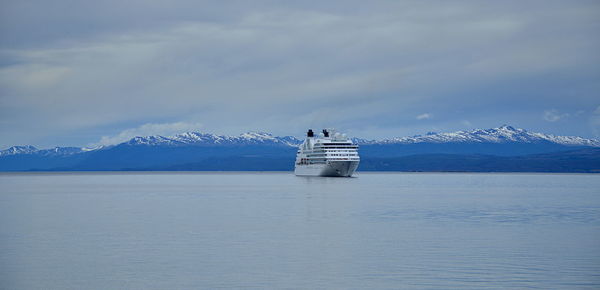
x,y
329,154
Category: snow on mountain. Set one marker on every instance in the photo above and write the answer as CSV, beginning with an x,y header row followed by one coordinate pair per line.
x,y
503,134
357,140
61,151
196,138
149,140
18,150
32,150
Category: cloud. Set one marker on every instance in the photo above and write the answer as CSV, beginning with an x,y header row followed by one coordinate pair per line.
x,y
424,116
279,66
597,111
149,129
554,115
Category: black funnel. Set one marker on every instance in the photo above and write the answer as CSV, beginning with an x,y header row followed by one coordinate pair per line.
x,y
310,133
325,133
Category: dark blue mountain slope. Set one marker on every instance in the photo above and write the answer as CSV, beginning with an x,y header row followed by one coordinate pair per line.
x,y
583,160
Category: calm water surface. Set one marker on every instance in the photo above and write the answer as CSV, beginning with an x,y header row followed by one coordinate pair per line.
x,y
276,230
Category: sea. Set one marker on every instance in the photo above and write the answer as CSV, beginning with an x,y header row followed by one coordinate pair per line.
x,y
265,230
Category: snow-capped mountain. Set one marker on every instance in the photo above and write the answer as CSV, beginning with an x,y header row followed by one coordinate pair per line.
x,y
503,134
18,150
184,139
263,151
196,138
62,151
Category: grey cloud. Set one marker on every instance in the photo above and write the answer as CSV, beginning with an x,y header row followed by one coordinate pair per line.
x,y
278,67
554,115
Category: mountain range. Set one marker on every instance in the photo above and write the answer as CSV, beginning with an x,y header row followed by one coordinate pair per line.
x,y
498,149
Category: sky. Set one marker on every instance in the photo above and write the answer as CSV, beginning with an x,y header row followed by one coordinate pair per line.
x,y
87,73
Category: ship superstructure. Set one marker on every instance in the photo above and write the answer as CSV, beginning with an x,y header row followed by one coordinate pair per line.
x,y
329,154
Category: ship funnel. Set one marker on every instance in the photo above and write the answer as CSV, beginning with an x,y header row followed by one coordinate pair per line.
x,y
325,133
310,133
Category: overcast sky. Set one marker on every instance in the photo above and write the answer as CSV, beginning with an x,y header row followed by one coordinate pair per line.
x,y
80,73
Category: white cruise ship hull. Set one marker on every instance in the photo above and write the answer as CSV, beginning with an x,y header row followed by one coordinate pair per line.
x,y
331,169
